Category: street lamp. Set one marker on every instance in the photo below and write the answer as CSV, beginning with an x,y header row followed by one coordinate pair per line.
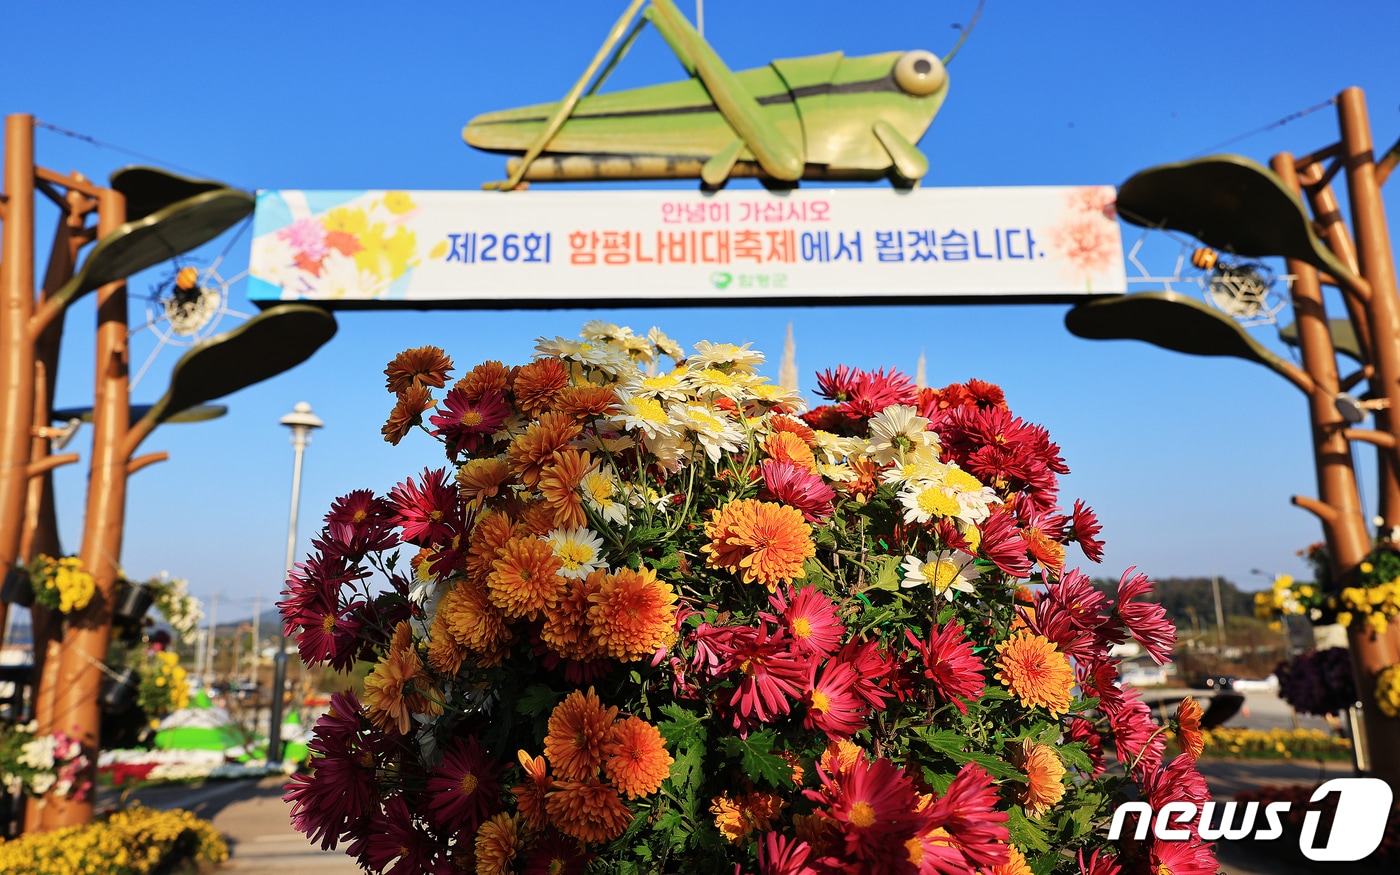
x,y
301,421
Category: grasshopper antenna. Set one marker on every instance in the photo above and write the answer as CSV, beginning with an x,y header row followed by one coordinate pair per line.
x,y
966,32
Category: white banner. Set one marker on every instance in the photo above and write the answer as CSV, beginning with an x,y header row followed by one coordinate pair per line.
x,y
589,246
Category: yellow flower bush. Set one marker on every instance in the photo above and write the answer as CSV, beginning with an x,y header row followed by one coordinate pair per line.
x,y
130,842
61,584
164,684
1388,690
1374,606
1274,744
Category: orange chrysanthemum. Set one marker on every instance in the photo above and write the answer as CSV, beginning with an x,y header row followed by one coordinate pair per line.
x,y
536,517
840,755
1035,671
559,482
484,379
633,614
741,815
497,844
579,727
761,541
794,426
537,383
565,629
590,811
445,653
1188,728
531,451
481,479
823,833
586,402
867,478
529,797
407,412
526,578
473,621
1015,864
492,531
1045,775
390,695
421,366
784,446
637,760
1047,552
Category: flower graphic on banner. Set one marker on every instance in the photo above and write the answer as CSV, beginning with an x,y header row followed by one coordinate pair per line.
x,y
1087,235
357,250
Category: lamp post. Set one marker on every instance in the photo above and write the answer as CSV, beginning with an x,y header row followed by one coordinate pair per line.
x,y
301,421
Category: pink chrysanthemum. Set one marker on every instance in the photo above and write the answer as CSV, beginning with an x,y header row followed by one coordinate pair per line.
x,y
832,703
797,487
810,619
1145,621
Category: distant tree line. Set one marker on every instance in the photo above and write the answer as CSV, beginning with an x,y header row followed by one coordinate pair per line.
x,y
1182,595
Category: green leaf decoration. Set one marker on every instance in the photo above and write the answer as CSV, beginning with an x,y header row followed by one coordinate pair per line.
x,y
538,699
1025,834
757,758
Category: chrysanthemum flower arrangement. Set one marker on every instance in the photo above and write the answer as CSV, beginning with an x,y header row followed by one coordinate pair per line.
x,y
660,619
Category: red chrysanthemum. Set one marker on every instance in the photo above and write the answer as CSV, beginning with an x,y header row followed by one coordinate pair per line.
x,y
780,855
770,673
392,837
463,790
465,424
875,804
1084,527
429,513
968,812
1145,621
950,664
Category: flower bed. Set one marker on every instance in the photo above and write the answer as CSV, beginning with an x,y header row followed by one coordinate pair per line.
x,y
133,841
661,621
125,767
1275,744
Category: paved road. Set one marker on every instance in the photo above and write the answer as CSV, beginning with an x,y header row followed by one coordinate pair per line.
x,y
254,819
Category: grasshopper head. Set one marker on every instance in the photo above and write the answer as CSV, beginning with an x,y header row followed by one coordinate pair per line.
x,y
920,73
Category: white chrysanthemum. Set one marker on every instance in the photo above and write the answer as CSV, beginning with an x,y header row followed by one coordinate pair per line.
x,y
919,465
836,449
606,440
955,494
715,432
639,498
644,414
665,387
765,396
837,473
726,356
706,383
580,551
896,430
38,754
559,347
665,345
596,330
944,571
601,494
668,451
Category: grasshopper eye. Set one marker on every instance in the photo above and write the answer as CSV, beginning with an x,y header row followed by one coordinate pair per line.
x,y
920,73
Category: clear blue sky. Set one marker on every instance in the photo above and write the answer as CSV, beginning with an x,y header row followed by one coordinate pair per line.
x,y
1190,462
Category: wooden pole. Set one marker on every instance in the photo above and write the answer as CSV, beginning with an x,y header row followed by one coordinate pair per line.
x,y
16,344
1371,652
86,639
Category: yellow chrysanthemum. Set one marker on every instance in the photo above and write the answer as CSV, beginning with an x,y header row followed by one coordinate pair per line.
x,y
497,844
1044,777
738,816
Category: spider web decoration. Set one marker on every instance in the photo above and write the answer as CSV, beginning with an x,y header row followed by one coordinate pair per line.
x,y
184,318
1246,291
